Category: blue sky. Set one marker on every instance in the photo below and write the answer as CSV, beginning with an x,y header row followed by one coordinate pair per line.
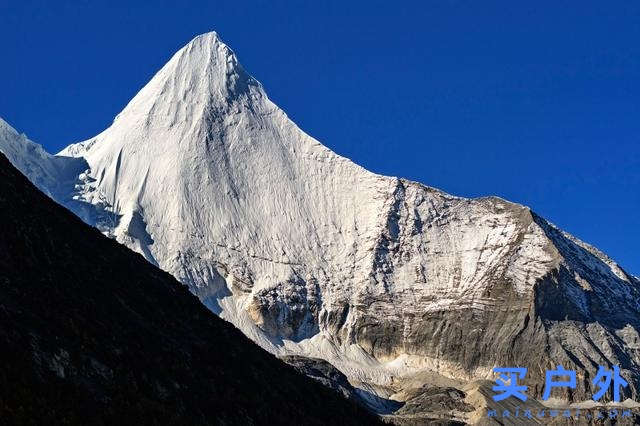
x,y
536,102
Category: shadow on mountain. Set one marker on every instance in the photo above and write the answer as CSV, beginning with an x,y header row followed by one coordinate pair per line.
x,y
325,373
590,291
93,334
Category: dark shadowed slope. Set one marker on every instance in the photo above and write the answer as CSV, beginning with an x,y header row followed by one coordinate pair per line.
x,y
91,333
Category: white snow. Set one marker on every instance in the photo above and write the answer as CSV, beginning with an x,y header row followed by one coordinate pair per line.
x,y
207,178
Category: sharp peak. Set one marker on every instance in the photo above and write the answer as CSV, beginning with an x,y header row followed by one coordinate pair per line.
x,y
210,37
210,41
203,72
206,52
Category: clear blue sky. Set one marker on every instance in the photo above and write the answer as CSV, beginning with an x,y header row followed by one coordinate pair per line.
x,y
536,102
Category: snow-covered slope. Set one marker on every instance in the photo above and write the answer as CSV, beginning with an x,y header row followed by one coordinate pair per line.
x,y
309,253
49,173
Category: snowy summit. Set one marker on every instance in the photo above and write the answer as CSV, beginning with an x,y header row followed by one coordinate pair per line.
x,y
310,254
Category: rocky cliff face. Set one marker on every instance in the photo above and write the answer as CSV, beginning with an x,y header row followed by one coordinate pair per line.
x,y
310,254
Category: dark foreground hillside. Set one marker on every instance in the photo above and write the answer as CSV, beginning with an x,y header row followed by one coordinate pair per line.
x,y
91,333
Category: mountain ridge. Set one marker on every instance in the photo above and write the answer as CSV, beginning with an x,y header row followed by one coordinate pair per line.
x,y
310,254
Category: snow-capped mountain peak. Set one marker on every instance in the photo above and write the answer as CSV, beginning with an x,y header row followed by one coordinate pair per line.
x,y
203,75
309,253
199,80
